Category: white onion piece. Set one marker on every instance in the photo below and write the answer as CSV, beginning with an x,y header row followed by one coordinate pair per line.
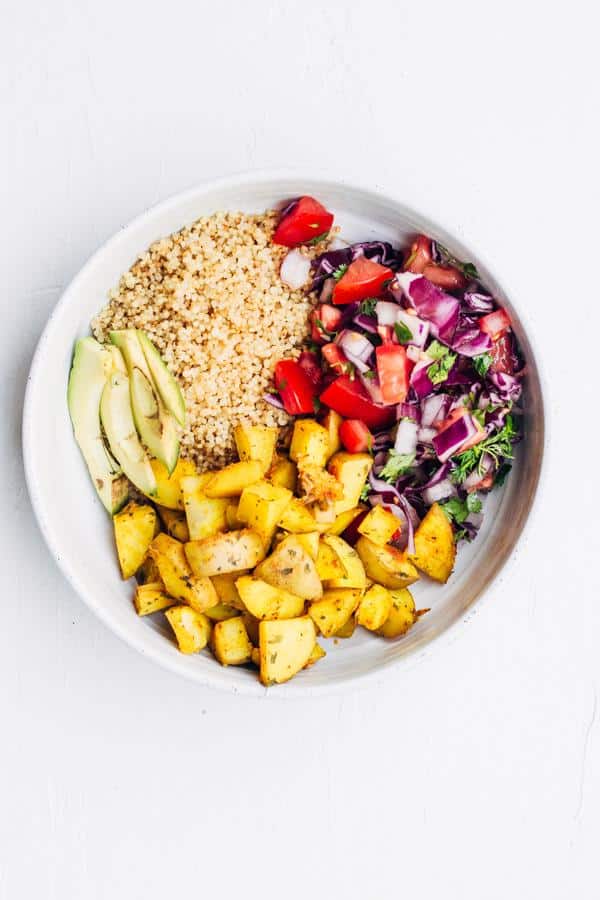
x,y
406,437
295,269
431,408
413,353
387,313
418,328
356,345
327,290
426,435
440,491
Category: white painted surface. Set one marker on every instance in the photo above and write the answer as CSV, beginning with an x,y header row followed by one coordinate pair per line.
x,y
473,775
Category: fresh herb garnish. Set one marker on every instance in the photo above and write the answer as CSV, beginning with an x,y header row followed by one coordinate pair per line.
x,y
367,307
369,374
467,269
341,270
323,330
365,491
403,332
319,238
459,510
470,270
479,416
482,363
498,446
397,464
439,370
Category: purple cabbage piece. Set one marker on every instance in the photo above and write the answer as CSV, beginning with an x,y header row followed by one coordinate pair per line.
x,y
367,323
419,380
478,303
449,441
431,303
409,411
379,251
507,387
471,342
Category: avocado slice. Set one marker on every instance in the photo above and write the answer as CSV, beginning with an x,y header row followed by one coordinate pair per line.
x,y
164,381
91,368
155,424
119,427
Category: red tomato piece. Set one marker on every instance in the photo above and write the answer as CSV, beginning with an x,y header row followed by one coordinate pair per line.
x,y
305,221
446,277
419,256
386,333
393,372
355,436
503,358
334,357
363,278
495,323
325,321
311,365
295,388
349,399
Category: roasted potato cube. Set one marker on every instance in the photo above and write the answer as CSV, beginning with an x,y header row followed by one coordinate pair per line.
x,y
174,523
261,506
329,565
297,518
317,653
229,552
150,598
331,423
351,470
333,611
348,629
230,642
251,623
205,515
291,568
355,576
197,591
231,480
402,615
283,473
148,572
135,527
310,443
255,442
231,516
435,547
256,656
374,607
325,514
220,612
285,647
342,520
168,489
310,542
163,545
379,525
226,589
386,565
264,601
191,628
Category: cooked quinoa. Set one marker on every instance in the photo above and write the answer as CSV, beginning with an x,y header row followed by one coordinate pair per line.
x,y
211,299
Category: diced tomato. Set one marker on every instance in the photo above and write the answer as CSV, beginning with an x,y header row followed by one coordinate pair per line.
x,y
419,256
486,483
325,321
334,357
393,372
386,333
503,357
311,365
448,278
305,221
355,436
363,278
495,323
295,388
349,398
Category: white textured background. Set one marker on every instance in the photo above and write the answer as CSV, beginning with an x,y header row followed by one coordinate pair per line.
x,y
475,775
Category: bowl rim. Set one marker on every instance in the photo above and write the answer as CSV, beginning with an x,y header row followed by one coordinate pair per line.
x,y
218,678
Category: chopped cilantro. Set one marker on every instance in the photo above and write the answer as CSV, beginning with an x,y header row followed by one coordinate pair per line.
x,y
365,491
467,268
458,510
397,464
319,238
367,307
403,332
439,370
369,374
341,270
498,446
482,363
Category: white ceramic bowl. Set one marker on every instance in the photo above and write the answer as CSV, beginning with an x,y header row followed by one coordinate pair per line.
x,y
77,529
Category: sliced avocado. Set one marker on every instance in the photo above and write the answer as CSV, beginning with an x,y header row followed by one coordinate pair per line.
x,y
155,424
119,427
89,375
166,384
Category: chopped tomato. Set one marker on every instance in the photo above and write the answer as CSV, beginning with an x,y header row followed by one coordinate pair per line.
x,y
363,278
334,357
325,321
486,484
306,220
419,256
448,278
393,372
503,358
386,333
495,323
349,398
355,436
296,389
311,365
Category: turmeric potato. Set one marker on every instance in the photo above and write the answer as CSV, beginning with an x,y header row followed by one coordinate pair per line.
x,y
231,480
134,527
150,598
264,601
386,565
402,616
329,565
333,611
255,443
379,525
435,547
168,488
163,545
317,653
285,647
310,542
347,630
297,518
197,591
220,612
191,628
226,589
230,643
374,608
222,553
310,443
261,507
354,576
331,423
290,567
174,523
351,470
342,520
283,473
205,515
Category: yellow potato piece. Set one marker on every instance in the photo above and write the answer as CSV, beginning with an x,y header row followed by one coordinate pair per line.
x,y
222,553
264,601
402,615
205,515
347,630
342,520
221,611
226,589
261,506
379,525
351,470
374,608
354,576
174,523
231,480
150,598
197,591
285,648
310,443
251,623
333,611
290,567
298,519
386,565
134,527
230,642
329,565
191,628
317,653
310,542
331,423
255,442
168,490
163,545
231,516
435,547
284,473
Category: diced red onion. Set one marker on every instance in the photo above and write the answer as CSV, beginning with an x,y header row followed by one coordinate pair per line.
x,y
367,323
388,491
387,313
478,303
418,328
273,400
449,441
357,348
412,522
430,302
419,380
295,269
471,342
327,290
406,437
507,386
409,411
